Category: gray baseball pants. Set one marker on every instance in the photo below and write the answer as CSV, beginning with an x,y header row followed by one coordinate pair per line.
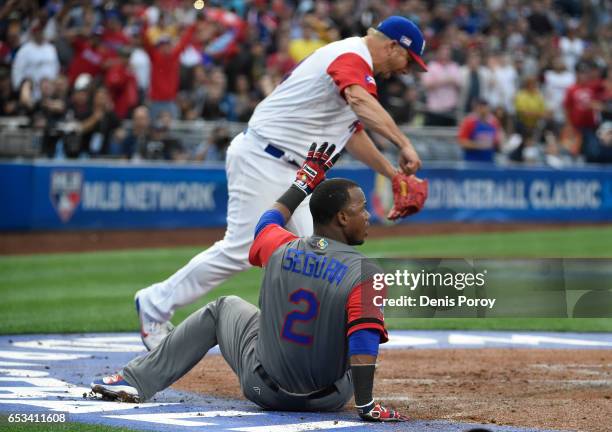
x,y
233,324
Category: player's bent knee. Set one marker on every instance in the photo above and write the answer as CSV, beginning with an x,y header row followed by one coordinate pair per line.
x,y
230,299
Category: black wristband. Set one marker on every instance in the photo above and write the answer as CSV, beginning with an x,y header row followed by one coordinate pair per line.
x,y
363,411
292,198
363,382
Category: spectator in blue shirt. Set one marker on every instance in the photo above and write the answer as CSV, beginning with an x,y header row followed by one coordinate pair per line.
x,y
480,134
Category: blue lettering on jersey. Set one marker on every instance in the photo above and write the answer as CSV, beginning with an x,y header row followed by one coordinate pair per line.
x,y
310,263
314,266
321,264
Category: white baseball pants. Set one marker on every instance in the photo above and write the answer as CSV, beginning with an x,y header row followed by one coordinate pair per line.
x,y
255,179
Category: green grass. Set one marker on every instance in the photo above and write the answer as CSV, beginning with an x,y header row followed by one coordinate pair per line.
x,y
93,292
56,427
592,242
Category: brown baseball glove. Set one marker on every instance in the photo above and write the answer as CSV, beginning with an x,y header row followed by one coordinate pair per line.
x,y
409,195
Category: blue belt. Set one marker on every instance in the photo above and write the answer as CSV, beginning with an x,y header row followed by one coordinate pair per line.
x,y
272,150
280,154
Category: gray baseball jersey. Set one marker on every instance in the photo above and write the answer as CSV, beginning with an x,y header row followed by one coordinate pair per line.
x,y
315,293
312,297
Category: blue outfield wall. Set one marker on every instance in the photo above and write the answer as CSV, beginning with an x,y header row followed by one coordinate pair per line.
x,y
67,196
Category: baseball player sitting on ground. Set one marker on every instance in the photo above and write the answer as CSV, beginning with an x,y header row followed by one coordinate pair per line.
x,y
328,97
292,355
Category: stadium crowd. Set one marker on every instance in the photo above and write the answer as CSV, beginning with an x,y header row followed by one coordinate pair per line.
x,y
531,79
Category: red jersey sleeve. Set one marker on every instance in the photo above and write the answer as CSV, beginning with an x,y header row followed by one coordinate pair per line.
x,y
467,128
350,69
267,241
362,312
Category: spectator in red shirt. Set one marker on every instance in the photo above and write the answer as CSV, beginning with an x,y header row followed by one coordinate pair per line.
x,y
122,86
90,55
480,134
165,65
113,35
581,101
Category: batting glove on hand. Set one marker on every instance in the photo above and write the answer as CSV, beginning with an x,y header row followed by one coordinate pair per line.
x,y
409,195
375,412
315,166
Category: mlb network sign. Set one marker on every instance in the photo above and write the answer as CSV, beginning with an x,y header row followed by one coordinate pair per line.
x,y
68,188
48,196
148,196
72,192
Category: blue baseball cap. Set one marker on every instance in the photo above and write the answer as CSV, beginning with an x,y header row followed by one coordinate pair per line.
x,y
407,34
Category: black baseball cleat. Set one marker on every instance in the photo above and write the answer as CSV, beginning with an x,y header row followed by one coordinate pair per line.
x,y
115,388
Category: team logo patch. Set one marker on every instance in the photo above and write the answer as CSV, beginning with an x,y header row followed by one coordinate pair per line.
x,y
322,244
406,41
65,192
369,79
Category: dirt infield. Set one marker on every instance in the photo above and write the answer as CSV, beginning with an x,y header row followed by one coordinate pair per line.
x,y
554,389
12,243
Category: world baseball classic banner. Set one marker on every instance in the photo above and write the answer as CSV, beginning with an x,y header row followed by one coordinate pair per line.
x,y
480,193
115,195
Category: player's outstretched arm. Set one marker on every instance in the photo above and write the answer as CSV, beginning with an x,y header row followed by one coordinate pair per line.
x,y
308,177
269,232
362,371
375,117
362,148
366,331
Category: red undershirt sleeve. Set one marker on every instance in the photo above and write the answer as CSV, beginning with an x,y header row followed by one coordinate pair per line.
x,y
267,241
362,313
351,69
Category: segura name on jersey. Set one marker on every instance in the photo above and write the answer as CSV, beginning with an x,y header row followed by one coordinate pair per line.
x,y
313,265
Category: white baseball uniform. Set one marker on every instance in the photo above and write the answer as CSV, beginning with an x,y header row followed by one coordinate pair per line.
x,y
308,106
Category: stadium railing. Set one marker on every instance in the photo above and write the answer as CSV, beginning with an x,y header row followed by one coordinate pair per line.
x,y
18,140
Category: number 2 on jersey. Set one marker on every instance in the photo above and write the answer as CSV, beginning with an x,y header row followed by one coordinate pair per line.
x,y
311,312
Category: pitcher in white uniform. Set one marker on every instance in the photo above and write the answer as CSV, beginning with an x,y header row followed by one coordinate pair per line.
x,y
329,97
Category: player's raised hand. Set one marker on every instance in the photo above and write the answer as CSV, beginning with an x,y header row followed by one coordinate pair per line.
x,y
313,170
376,412
409,160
